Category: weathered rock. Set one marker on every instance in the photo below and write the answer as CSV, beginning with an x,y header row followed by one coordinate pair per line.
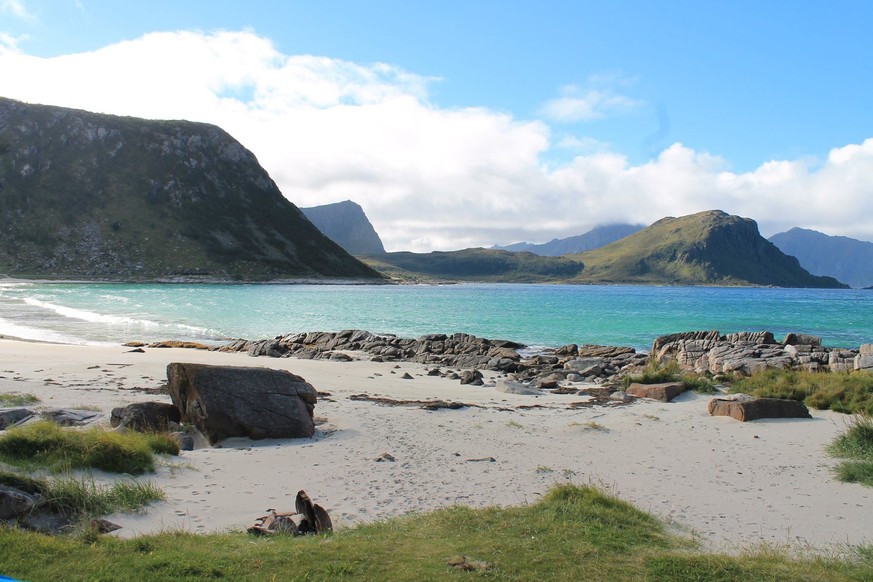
x,y
224,401
310,518
71,417
665,391
745,408
12,416
621,396
472,377
145,416
14,502
513,387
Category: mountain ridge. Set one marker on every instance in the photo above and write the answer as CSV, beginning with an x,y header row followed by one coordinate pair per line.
x,y
346,224
596,237
847,259
91,196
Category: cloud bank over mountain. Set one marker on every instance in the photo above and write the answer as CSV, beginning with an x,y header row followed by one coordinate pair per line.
x,y
431,177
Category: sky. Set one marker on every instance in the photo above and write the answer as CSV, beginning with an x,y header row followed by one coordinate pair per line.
x,y
465,123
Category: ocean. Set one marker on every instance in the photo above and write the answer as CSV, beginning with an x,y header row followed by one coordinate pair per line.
x,y
536,315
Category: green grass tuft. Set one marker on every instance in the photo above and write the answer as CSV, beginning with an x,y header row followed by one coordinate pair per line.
x,y
838,391
657,373
17,399
856,447
45,444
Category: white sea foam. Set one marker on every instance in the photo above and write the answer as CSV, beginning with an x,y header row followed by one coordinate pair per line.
x,y
90,316
8,328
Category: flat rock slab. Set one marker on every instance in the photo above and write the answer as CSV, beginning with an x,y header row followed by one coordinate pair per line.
x,y
229,401
145,416
745,408
664,392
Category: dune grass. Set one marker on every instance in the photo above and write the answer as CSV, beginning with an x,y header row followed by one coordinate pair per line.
x,y
45,444
573,533
849,392
656,373
82,497
11,399
855,446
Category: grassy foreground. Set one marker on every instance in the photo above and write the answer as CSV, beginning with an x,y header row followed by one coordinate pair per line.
x,y
838,391
574,533
855,446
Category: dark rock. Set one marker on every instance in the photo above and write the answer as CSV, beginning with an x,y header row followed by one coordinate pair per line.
x,y
145,416
472,377
12,416
71,417
665,392
14,502
745,408
224,401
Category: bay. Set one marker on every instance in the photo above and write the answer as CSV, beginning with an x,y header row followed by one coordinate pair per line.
x,y
536,315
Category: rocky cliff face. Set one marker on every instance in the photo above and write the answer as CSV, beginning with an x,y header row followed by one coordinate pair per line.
x,y
84,195
847,259
346,224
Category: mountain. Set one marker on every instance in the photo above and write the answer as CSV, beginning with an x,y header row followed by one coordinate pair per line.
x,y
847,259
477,265
595,238
84,195
346,224
708,248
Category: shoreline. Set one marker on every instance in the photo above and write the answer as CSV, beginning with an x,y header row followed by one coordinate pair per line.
x,y
735,484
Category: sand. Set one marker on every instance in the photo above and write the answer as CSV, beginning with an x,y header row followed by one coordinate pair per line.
x,y
732,485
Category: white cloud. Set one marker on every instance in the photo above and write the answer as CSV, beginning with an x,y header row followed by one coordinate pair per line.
x,y
428,177
596,100
15,8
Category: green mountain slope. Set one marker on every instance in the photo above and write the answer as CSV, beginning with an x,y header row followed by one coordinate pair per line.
x,y
708,248
477,265
84,195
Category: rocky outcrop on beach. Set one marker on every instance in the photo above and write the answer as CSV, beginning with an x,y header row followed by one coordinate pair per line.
x,y
744,408
745,353
590,363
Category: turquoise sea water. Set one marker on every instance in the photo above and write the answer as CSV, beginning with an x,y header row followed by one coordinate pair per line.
x,y
536,315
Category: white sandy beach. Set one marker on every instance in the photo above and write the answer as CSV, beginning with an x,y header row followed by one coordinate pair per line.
x,y
734,484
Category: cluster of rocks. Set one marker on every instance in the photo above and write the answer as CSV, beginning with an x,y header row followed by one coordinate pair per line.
x,y
308,518
463,351
745,353
18,416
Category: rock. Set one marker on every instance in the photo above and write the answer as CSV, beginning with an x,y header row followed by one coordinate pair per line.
x,y
145,416
385,457
745,408
14,502
13,416
406,376
513,387
71,417
621,396
665,392
225,401
472,377
310,518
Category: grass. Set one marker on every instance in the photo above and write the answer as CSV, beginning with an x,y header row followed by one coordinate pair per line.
x,y
849,392
84,498
855,446
17,399
573,533
657,373
45,444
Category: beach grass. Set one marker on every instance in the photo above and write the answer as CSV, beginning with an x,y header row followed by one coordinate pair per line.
x,y
855,446
11,399
45,444
82,497
657,373
574,533
848,392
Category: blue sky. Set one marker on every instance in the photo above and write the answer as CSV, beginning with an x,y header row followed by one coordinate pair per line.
x,y
480,122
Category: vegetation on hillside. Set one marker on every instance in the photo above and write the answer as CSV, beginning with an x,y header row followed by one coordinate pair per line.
x,y
86,196
708,248
574,533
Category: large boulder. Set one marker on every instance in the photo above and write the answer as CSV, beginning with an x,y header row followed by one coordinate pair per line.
x,y
665,391
145,416
227,401
745,408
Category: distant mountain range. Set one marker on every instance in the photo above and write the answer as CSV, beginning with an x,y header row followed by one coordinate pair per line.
x,y
91,196
708,248
847,259
347,225
595,238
